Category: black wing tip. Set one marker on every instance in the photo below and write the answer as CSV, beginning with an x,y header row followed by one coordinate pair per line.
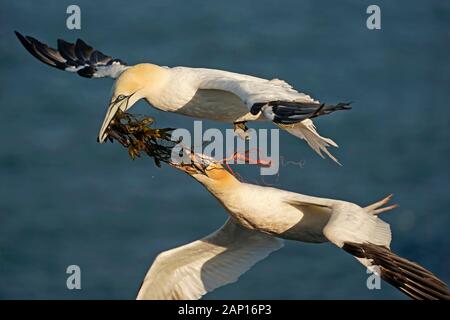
x,y
345,105
290,112
18,34
21,37
76,57
24,41
256,107
409,277
87,72
81,42
63,42
27,43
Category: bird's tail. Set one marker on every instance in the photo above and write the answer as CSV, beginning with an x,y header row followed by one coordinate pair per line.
x,y
409,277
307,131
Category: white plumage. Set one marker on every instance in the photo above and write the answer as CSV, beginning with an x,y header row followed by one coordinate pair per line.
x,y
192,270
196,92
259,218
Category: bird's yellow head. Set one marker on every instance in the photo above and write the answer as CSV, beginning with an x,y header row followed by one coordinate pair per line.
x,y
215,178
135,83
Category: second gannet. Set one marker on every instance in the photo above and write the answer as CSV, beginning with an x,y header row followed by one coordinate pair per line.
x,y
196,92
259,218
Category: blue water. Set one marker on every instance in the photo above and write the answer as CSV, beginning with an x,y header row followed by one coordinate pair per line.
x,y
64,199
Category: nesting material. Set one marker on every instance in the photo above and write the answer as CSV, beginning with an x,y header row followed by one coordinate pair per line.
x,y
135,134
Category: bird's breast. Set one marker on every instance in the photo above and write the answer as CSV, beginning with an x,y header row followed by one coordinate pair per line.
x,y
268,213
260,211
206,104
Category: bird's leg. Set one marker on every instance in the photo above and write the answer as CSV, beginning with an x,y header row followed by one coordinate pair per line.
x,y
375,208
241,130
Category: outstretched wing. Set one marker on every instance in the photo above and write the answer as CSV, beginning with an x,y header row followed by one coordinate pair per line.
x,y
79,57
192,270
407,276
346,222
276,99
361,233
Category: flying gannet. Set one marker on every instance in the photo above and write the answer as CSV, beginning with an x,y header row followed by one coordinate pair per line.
x,y
259,217
196,92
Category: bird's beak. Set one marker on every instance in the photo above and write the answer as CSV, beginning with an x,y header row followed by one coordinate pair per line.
x,y
191,169
195,167
114,106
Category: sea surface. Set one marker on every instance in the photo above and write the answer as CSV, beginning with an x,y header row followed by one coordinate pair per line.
x,y
67,200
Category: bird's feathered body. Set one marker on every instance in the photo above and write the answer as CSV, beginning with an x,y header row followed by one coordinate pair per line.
x,y
180,93
293,216
215,105
208,93
196,92
225,96
259,216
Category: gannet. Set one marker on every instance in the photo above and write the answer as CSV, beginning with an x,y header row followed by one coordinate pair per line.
x,y
196,92
259,218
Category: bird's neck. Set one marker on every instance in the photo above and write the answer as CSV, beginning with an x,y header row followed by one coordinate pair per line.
x,y
224,189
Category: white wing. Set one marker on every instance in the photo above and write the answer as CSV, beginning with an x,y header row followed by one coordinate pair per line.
x,y
351,223
275,98
250,89
361,233
192,270
348,222
76,57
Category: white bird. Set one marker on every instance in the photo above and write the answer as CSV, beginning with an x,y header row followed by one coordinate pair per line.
x,y
259,217
196,92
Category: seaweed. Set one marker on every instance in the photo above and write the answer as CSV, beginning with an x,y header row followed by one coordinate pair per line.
x,y
136,134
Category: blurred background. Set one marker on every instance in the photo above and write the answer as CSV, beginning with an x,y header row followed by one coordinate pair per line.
x,y
65,199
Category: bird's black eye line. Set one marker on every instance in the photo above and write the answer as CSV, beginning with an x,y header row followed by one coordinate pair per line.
x,y
121,97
